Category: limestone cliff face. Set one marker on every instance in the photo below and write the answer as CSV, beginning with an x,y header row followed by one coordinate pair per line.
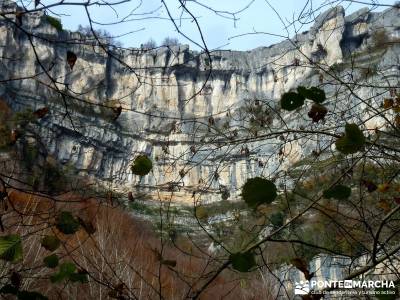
x,y
179,107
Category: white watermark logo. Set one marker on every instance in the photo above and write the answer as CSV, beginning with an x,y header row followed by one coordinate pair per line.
x,y
304,287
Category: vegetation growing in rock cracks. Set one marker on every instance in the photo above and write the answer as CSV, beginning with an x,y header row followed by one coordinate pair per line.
x,y
153,172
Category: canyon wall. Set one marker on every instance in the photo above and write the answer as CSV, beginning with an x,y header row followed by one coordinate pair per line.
x,y
187,110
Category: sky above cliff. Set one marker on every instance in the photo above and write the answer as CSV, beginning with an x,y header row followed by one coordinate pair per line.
x,y
254,23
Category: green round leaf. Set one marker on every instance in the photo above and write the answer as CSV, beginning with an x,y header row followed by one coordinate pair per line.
x,y
11,248
302,90
66,223
258,191
243,262
50,242
291,100
67,268
315,94
345,146
65,271
339,192
51,261
353,140
277,219
353,132
142,165
80,276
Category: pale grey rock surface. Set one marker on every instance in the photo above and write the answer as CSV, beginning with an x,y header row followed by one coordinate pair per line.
x,y
168,96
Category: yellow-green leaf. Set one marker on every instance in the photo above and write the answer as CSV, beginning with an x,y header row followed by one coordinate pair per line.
x,y
50,242
353,140
11,248
65,271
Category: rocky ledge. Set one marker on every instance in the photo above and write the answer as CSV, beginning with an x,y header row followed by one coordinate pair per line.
x,y
188,111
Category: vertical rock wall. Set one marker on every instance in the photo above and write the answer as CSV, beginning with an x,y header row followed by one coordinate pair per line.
x,y
171,96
